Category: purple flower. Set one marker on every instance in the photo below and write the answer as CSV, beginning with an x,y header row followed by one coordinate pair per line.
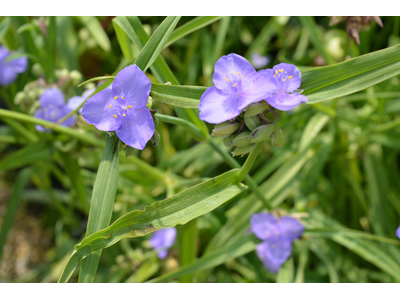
x,y
259,61
162,240
9,69
277,235
398,232
53,108
287,80
123,108
76,101
236,85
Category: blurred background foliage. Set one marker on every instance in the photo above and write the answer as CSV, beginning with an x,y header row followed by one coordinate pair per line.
x,y
339,164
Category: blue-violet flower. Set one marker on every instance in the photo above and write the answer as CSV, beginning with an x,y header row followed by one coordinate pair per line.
x,y
287,79
398,232
259,61
9,69
236,85
53,108
162,240
277,235
76,101
123,108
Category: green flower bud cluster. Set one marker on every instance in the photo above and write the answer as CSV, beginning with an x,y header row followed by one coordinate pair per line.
x,y
256,124
31,92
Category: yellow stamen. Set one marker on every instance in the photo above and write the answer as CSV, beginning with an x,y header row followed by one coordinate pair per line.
x,y
241,76
280,70
124,115
290,77
110,106
276,71
283,79
226,79
274,75
115,97
231,72
122,98
234,85
130,106
239,73
114,116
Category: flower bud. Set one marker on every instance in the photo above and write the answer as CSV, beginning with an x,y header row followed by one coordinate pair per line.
x,y
252,122
243,150
255,109
76,77
277,137
261,133
270,116
156,138
227,141
129,151
19,98
241,139
225,130
37,70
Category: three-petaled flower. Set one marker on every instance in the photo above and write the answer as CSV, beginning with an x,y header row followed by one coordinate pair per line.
x,y
123,108
277,236
287,80
9,68
236,85
53,108
162,240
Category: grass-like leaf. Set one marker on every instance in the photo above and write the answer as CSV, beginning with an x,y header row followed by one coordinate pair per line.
x,y
184,96
179,209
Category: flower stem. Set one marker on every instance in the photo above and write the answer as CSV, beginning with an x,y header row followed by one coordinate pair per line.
x,y
101,208
247,178
245,169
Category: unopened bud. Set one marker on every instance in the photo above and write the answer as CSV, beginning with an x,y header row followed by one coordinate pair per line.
x,y
271,116
156,121
76,77
277,137
255,109
227,141
225,130
19,98
37,70
252,122
241,139
243,150
261,133
156,138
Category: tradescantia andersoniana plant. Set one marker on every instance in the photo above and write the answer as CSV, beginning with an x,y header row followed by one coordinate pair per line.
x,y
244,105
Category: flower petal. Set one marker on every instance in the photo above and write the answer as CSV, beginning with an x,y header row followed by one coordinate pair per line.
x,y
163,238
162,254
19,64
7,74
264,226
132,84
291,227
260,88
217,107
288,77
51,97
398,232
75,102
4,52
65,110
40,114
286,101
259,61
137,127
103,111
273,255
233,67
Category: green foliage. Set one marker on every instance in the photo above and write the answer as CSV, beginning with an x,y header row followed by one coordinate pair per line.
x,y
336,168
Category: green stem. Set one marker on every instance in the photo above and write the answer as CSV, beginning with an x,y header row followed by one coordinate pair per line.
x,y
101,208
61,129
247,178
245,169
194,130
188,247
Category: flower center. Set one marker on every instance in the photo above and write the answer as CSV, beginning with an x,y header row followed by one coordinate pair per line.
x,y
233,78
281,74
124,107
